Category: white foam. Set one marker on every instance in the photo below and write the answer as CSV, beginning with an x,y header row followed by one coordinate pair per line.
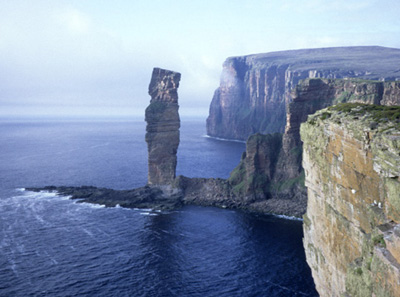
x,y
65,197
224,139
41,194
288,218
92,205
149,214
144,209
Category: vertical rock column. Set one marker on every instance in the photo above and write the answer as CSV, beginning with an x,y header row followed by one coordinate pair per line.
x,y
163,125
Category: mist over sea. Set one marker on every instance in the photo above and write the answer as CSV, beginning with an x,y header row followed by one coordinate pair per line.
x,y
52,246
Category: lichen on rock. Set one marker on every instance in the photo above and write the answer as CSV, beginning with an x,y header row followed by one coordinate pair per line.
x,y
351,159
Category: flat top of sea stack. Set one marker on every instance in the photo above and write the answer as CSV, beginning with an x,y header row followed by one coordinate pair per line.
x,y
164,85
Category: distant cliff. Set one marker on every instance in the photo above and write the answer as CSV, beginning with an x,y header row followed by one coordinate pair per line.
x,y
253,92
352,225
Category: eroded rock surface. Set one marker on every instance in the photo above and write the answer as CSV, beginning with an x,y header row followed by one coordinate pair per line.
x,y
351,159
253,91
163,125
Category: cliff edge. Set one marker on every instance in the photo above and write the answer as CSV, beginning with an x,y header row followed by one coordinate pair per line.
x,y
351,159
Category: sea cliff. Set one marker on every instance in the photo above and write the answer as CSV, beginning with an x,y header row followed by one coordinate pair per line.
x,y
351,159
253,92
271,167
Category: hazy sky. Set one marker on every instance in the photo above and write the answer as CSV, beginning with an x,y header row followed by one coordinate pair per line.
x,y
95,57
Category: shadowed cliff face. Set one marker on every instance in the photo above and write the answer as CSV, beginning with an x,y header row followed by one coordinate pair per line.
x,y
253,92
163,125
352,225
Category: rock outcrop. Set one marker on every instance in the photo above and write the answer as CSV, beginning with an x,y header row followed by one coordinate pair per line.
x,y
352,226
163,125
148,197
253,92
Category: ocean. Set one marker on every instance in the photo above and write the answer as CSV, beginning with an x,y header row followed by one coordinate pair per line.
x,y
53,246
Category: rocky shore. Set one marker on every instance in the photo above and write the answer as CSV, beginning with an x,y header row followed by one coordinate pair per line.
x,y
144,197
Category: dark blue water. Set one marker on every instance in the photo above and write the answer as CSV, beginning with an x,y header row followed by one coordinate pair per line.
x,y
52,246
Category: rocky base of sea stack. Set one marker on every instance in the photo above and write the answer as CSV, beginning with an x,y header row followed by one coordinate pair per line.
x,y
144,197
215,192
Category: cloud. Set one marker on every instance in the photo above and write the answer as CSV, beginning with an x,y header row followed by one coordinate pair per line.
x,y
75,21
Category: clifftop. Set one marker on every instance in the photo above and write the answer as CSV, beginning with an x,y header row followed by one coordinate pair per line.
x,y
370,62
164,85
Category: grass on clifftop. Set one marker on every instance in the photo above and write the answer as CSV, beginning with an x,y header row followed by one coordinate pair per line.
x,y
378,112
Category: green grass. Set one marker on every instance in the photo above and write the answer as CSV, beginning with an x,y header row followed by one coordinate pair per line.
x,y
379,240
325,115
378,112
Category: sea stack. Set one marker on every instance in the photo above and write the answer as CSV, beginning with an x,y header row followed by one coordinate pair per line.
x,y
163,125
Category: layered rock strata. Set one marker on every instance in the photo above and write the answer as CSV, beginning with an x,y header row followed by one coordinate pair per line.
x,y
163,125
351,159
253,92
314,94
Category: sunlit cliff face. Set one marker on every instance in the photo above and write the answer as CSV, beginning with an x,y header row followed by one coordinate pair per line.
x,y
351,159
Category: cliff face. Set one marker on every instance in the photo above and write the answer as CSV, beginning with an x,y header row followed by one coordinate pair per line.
x,y
253,92
315,94
352,225
252,176
272,165
163,125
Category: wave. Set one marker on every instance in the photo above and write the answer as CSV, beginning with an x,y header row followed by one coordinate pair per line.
x,y
149,214
288,217
224,139
92,205
143,209
41,194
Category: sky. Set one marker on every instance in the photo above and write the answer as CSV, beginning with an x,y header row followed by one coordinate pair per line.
x,y
94,58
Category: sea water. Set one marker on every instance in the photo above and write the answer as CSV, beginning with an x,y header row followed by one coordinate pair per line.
x,y
53,246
